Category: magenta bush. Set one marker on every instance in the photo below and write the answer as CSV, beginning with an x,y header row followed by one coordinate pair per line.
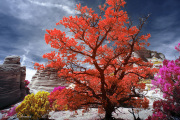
x,y
58,88
169,84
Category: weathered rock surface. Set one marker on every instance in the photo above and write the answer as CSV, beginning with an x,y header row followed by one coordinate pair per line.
x,y
12,76
46,80
146,54
149,56
12,60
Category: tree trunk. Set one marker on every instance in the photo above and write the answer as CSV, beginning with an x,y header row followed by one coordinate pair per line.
x,y
108,114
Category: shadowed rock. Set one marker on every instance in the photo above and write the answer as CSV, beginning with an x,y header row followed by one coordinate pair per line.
x,y
145,54
12,76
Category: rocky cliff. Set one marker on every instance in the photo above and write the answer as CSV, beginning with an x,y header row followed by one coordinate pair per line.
x,y
12,76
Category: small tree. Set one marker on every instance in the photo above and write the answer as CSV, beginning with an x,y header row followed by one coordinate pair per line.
x,y
169,84
106,42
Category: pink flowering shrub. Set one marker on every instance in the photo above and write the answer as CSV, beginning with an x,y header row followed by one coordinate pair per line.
x,y
12,111
178,47
26,83
58,88
26,86
8,113
169,84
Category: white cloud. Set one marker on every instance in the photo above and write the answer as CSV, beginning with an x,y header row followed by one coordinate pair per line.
x,y
64,7
42,13
30,73
1,62
23,60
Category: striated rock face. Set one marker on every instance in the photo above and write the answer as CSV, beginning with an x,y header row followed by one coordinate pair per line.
x,y
46,80
12,60
149,56
146,54
12,76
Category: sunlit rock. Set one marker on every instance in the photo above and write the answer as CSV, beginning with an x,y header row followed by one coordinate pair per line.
x,y
46,80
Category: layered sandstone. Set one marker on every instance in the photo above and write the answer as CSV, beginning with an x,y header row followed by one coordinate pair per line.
x,y
46,80
12,76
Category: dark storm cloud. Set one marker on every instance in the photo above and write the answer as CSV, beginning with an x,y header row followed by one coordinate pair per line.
x,y
14,34
23,24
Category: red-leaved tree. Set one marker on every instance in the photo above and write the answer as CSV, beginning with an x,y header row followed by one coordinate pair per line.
x,y
106,43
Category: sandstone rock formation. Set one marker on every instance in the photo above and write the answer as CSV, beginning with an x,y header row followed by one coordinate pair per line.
x,y
46,80
150,56
12,76
147,55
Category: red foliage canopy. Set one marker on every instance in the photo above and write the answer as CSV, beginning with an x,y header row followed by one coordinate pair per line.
x,y
106,43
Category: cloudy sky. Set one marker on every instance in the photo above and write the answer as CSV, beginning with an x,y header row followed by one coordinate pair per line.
x,y
23,24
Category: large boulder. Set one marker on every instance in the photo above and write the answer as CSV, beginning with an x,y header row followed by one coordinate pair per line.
x,y
12,76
